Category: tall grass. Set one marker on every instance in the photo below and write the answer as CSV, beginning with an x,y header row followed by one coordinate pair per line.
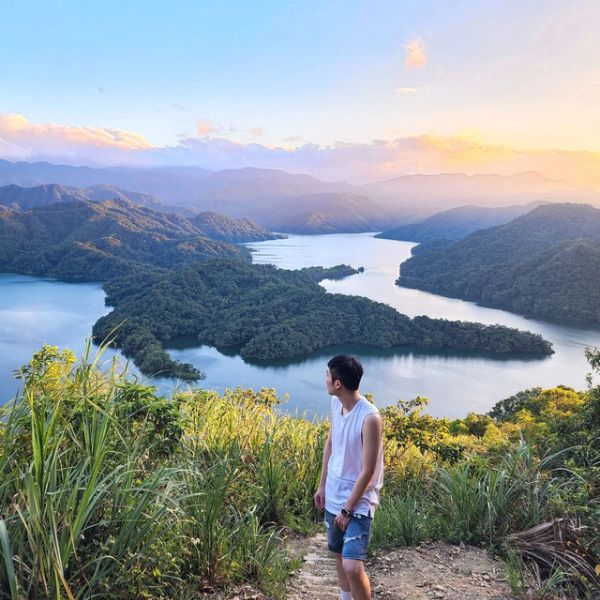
x,y
110,491
402,520
465,503
482,506
73,486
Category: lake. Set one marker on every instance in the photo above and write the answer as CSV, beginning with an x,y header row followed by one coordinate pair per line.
x,y
34,311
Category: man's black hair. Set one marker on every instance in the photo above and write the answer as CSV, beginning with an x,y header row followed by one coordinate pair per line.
x,y
346,369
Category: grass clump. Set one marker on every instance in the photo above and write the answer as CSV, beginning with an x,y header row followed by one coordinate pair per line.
x,y
109,490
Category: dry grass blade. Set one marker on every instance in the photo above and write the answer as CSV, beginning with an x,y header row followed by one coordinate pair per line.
x,y
556,545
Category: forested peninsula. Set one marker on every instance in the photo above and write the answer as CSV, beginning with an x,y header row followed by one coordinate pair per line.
x,y
544,263
165,280
267,313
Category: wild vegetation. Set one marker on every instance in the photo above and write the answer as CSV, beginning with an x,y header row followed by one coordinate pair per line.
x,y
544,263
110,490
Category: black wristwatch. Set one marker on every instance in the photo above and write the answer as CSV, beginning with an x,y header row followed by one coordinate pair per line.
x,y
346,513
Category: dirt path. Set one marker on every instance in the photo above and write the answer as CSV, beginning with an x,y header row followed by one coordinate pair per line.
x,y
431,571
317,579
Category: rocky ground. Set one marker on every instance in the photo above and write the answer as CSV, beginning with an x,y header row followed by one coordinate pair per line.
x,y
429,571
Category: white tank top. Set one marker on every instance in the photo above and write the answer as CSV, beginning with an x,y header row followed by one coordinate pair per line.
x,y
345,463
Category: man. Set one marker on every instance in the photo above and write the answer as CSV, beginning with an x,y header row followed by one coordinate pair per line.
x,y
352,475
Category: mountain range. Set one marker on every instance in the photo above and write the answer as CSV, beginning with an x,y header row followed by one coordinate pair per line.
x,y
455,223
24,198
165,278
93,241
301,203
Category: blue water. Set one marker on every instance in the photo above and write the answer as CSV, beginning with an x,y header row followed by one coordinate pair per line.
x,y
35,311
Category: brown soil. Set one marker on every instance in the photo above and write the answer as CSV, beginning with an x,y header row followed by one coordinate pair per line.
x,y
429,571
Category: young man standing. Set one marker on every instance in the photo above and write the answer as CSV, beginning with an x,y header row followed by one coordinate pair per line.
x,y
352,475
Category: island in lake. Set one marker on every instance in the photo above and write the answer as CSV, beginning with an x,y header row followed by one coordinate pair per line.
x,y
166,278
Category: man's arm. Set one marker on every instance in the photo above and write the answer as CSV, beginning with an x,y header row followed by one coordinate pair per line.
x,y
319,497
372,432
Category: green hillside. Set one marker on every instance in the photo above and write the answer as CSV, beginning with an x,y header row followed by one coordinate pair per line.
x,y
96,241
227,229
268,313
165,279
544,263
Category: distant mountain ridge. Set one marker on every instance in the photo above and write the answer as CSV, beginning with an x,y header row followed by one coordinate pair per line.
x,y
545,263
93,241
309,204
328,212
15,196
455,223
210,224
235,231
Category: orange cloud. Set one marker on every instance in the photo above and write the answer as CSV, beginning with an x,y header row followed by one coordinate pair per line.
x,y
415,57
204,128
406,90
466,148
466,151
16,129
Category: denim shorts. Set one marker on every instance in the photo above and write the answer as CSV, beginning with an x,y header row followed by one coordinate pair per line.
x,y
351,543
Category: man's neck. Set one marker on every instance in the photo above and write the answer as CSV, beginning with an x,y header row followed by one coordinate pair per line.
x,y
349,400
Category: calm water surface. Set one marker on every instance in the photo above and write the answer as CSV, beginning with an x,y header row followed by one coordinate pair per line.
x,y
34,311
455,383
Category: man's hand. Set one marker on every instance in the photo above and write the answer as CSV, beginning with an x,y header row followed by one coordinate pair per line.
x,y
319,498
341,522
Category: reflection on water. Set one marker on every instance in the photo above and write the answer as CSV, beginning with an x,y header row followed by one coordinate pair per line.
x,y
455,382
35,311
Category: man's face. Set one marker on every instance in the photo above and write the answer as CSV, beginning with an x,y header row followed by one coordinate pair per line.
x,y
333,387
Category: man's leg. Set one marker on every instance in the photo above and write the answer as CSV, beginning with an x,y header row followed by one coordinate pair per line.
x,y
355,575
356,541
335,543
342,579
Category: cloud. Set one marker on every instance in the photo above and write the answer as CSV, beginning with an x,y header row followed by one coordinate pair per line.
x,y
466,151
204,129
12,151
415,57
67,142
406,90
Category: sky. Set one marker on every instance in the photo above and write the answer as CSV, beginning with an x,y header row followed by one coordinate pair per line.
x,y
341,89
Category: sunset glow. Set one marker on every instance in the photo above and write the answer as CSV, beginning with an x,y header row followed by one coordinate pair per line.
x,y
339,90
